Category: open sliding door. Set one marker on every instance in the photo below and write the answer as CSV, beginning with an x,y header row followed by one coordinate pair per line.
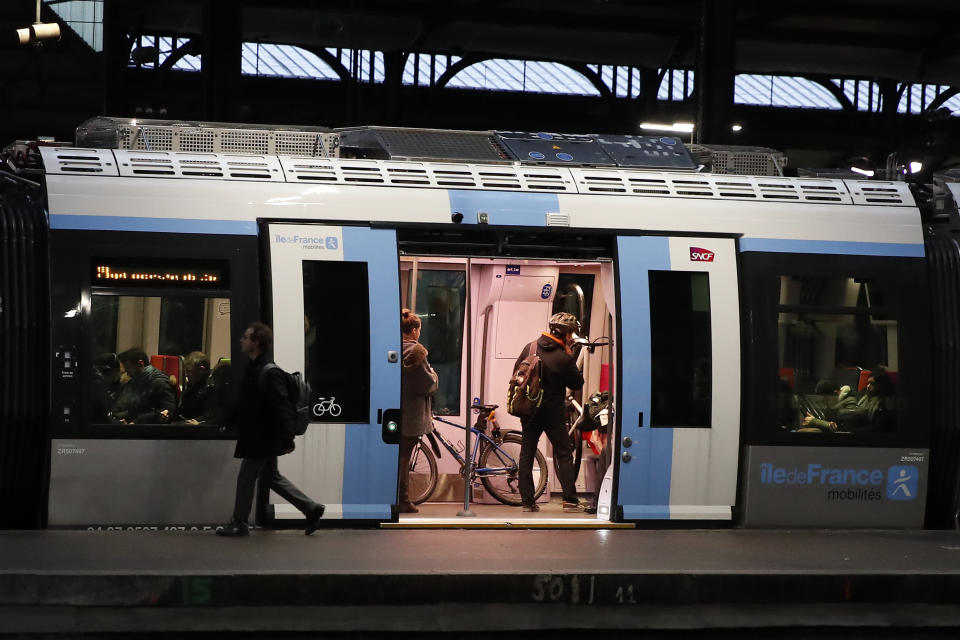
x,y
680,378
336,315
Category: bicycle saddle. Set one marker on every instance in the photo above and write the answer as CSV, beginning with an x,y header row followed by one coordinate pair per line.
x,y
485,407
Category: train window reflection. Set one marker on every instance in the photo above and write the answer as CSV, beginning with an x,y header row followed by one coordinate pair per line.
x,y
837,366
440,303
336,326
681,351
159,360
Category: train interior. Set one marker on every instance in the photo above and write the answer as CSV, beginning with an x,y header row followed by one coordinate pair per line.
x,y
511,302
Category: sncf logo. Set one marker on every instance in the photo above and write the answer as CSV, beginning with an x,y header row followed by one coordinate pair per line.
x,y
701,255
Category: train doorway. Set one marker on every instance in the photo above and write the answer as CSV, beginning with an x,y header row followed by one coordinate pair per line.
x,y
511,300
660,319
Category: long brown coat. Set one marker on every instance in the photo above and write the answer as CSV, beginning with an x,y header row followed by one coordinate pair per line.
x,y
418,384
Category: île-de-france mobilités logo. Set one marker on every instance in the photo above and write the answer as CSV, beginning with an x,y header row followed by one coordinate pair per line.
x,y
902,481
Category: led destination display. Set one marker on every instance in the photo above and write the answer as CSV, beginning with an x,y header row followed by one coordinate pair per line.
x,y
173,275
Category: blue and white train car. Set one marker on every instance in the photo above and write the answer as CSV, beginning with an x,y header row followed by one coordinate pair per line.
x,y
771,358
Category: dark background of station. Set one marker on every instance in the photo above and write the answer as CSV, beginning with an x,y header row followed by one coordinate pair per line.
x,y
49,90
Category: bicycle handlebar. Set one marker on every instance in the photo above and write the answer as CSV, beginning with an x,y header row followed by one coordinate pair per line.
x,y
591,345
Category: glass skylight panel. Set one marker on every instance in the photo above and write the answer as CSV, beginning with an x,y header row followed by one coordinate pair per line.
x,y
676,86
782,91
530,76
85,17
919,96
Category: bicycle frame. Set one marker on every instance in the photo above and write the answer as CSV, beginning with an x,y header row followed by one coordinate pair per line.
x,y
484,471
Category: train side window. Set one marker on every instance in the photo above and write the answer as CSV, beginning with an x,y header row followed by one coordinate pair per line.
x,y
681,350
837,356
159,359
336,311
441,300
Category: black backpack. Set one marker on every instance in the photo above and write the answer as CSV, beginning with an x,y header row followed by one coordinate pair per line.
x,y
525,391
298,395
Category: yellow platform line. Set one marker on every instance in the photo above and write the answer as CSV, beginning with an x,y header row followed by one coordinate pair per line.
x,y
497,523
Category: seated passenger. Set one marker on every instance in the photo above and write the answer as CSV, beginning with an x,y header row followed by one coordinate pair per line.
x,y
821,408
872,411
221,399
105,385
148,397
196,403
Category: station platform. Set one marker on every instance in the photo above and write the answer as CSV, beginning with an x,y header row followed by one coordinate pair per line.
x,y
478,582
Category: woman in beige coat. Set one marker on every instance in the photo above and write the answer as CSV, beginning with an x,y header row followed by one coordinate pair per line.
x,y
418,384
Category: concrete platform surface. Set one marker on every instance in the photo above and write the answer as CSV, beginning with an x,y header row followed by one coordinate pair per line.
x,y
419,580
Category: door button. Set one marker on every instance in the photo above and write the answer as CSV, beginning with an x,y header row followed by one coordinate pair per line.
x,y
393,356
626,457
627,442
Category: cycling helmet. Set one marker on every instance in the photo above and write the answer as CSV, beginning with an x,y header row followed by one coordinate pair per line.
x,y
562,323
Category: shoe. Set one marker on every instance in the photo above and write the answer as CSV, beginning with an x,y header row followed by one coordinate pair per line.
x,y
590,508
572,507
408,507
233,530
533,508
313,520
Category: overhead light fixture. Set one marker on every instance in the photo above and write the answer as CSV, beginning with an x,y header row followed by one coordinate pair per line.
x,y
38,32
737,127
677,127
916,167
863,172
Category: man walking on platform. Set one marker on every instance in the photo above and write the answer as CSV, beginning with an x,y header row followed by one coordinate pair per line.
x,y
264,419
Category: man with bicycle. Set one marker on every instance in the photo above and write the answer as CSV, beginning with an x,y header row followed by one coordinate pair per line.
x,y
559,373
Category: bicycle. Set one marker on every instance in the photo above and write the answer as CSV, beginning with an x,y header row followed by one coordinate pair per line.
x,y
494,459
325,405
575,412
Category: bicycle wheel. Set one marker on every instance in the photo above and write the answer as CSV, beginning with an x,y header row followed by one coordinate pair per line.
x,y
505,488
423,473
576,442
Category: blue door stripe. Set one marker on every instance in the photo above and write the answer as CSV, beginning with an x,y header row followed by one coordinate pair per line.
x,y
160,225
504,207
370,464
643,489
841,247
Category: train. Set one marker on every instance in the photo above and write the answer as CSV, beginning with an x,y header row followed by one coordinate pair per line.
x,y
781,350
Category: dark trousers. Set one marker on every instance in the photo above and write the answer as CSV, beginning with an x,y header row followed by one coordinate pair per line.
x,y
562,453
265,470
407,443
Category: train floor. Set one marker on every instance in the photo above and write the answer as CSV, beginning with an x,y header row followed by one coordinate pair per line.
x,y
426,582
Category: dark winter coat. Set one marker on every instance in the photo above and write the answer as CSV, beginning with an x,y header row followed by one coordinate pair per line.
x,y
262,415
418,384
198,399
144,396
560,373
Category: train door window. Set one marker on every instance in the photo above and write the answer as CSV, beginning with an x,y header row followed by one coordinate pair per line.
x,y
575,295
440,302
837,356
159,359
681,360
337,338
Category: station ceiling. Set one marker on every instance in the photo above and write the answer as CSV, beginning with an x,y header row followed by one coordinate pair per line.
x,y
48,91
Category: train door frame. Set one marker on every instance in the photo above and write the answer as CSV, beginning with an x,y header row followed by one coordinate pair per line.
x,y
489,391
653,478
349,465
